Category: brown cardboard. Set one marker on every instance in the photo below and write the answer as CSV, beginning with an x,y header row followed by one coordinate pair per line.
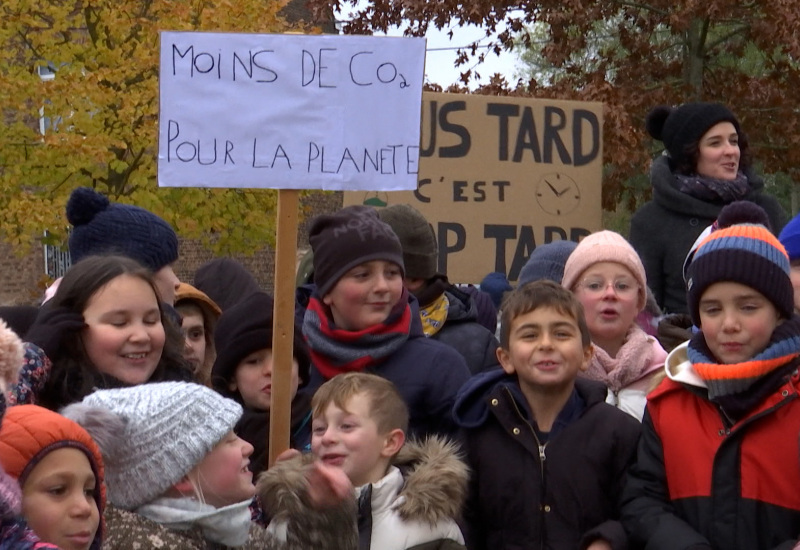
x,y
500,175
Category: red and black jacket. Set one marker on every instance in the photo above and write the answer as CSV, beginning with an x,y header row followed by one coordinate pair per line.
x,y
702,482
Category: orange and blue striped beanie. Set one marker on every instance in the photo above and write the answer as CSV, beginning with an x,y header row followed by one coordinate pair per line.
x,y
747,254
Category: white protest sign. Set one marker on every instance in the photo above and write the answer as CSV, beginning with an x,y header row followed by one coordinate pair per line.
x,y
289,111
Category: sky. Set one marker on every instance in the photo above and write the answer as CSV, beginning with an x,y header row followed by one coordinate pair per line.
x,y
441,54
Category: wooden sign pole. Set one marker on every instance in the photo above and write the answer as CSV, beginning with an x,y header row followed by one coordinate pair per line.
x,y
283,322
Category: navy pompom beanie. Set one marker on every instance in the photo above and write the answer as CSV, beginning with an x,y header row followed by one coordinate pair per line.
x,y
103,227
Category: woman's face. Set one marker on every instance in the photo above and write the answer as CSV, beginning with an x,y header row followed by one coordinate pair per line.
x,y
124,336
365,295
719,152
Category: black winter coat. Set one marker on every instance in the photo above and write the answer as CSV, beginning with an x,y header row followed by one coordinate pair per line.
x,y
560,495
462,332
253,427
664,229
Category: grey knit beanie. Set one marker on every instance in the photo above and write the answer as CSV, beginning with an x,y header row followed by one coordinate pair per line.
x,y
169,428
420,250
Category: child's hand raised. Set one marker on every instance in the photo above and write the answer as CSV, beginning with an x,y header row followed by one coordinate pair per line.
x,y
327,485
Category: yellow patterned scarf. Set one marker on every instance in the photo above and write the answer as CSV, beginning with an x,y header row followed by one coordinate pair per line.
x,y
434,315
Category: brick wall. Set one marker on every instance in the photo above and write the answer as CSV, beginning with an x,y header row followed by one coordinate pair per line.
x,y
22,279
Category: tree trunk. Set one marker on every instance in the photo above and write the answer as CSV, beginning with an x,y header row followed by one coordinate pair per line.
x,y
695,57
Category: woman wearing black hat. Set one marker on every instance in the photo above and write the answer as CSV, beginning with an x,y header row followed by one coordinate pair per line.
x,y
705,166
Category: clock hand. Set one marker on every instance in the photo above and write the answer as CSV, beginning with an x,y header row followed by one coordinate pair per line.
x,y
558,194
552,188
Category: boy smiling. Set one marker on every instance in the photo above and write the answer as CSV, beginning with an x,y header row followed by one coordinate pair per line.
x,y
542,443
408,493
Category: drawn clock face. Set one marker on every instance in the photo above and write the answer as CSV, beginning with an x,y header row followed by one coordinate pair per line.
x,y
557,194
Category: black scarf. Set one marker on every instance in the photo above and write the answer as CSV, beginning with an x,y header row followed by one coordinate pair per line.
x,y
712,189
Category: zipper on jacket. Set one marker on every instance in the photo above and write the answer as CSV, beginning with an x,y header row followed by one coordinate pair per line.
x,y
788,398
543,508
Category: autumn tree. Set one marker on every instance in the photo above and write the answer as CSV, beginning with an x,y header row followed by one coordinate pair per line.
x,y
664,52
86,72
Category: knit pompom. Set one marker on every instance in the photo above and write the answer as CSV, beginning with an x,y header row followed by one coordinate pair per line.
x,y
11,355
656,119
84,204
742,212
106,427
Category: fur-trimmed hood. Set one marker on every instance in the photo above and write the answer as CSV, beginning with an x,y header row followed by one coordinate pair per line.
x,y
11,356
435,480
282,491
420,499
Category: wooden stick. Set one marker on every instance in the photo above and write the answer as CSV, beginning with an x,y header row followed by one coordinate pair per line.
x,y
283,322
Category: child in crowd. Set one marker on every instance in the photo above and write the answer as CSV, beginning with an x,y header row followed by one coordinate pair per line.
x,y
199,316
548,455
607,276
226,281
676,328
177,475
361,318
790,239
243,372
547,261
101,227
448,315
718,460
15,534
60,470
359,425
105,327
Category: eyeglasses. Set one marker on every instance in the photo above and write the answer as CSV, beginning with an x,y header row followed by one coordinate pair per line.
x,y
623,288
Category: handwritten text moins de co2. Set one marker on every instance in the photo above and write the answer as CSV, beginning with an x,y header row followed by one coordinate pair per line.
x,y
320,68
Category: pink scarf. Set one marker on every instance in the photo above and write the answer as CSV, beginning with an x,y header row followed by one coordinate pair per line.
x,y
633,362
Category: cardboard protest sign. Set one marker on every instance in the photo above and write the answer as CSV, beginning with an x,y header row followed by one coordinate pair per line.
x,y
500,175
289,111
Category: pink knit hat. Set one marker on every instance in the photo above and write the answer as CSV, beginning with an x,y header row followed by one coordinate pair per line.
x,y
605,246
